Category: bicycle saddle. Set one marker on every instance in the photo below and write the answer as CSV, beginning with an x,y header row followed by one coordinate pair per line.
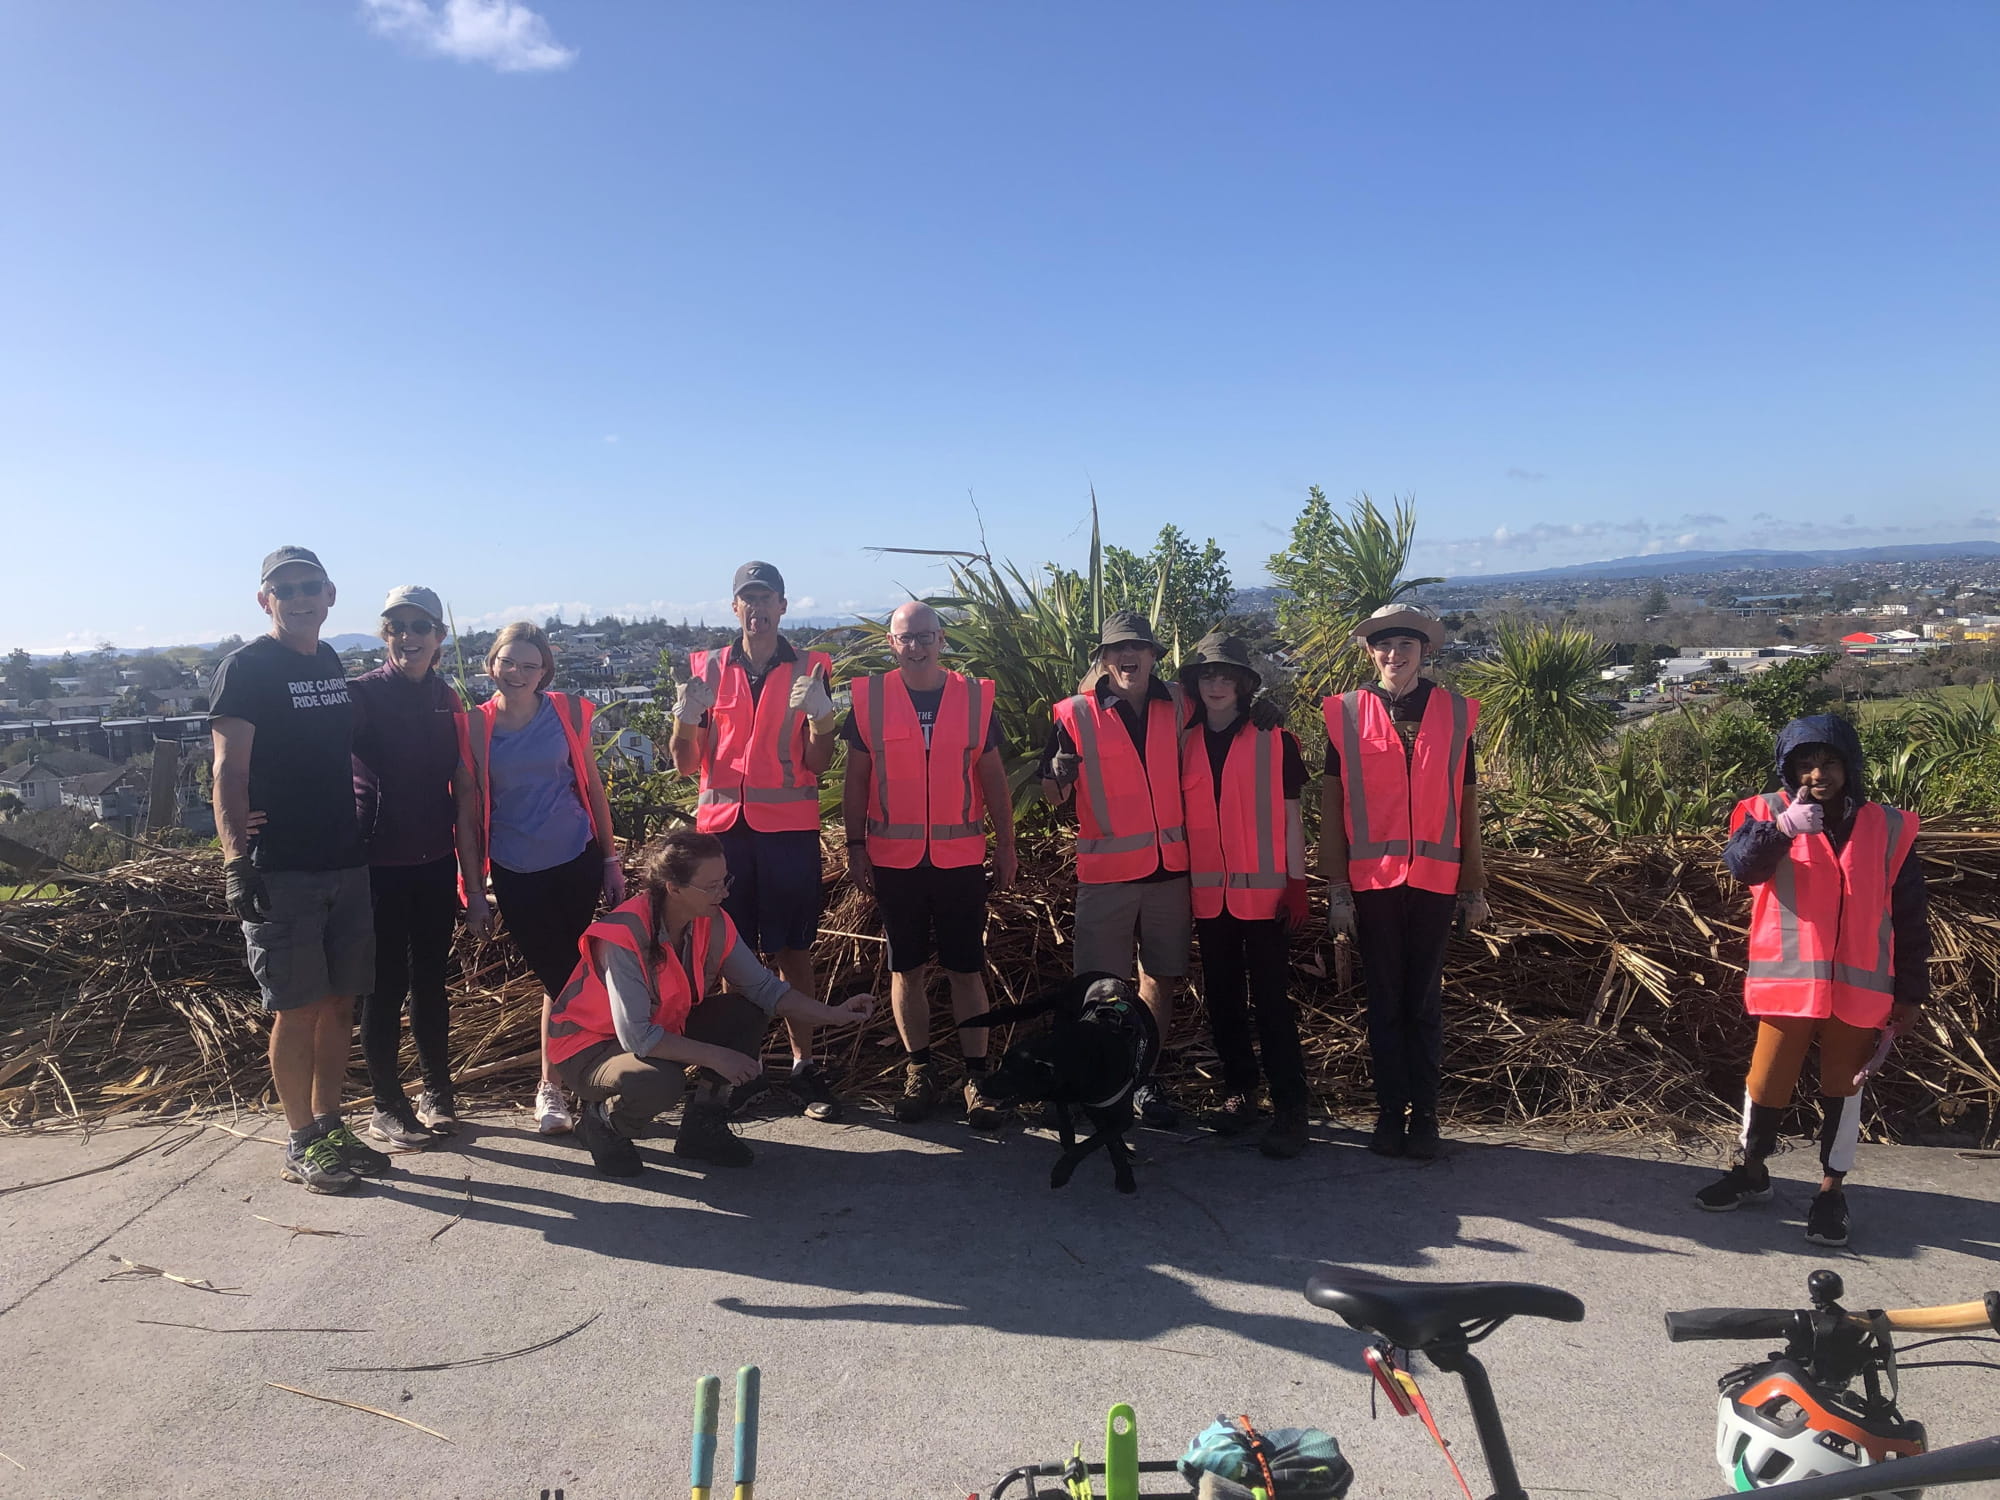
x,y
1412,1314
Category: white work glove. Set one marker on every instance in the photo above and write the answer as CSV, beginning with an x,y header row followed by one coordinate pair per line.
x,y
696,698
1802,817
809,693
1340,909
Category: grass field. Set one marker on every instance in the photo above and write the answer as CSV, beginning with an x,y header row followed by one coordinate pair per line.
x,y
1877,708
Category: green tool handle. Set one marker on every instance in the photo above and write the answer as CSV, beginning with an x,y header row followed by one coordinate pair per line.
x,y
707,1406
1121,1453
749,1385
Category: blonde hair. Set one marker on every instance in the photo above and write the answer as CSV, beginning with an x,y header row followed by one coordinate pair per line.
x,y
529,631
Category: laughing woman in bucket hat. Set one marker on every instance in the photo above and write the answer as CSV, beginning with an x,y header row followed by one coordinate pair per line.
x,y
1241,775
1399,848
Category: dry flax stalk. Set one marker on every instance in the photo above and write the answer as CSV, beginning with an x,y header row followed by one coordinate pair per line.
x,y
299,1229
455,1218
153,1145
356,1406
460,1364
204,1328
15,1462
134,1270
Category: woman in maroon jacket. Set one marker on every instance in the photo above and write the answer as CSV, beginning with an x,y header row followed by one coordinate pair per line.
x,y
419,809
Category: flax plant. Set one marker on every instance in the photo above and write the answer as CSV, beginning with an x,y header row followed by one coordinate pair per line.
x,y
1539,713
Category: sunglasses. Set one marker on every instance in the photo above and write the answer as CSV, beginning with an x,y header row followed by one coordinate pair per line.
x,y
417,628
310,587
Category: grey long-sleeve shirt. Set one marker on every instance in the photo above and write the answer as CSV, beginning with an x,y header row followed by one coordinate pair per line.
x,y
632,997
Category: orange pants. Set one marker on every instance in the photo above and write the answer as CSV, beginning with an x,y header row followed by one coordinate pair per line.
x,y
1780,1057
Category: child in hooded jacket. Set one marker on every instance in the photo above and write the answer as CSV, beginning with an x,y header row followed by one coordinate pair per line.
x,y
1839,950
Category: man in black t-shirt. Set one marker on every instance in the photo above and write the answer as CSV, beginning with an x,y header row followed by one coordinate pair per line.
x,y
295,862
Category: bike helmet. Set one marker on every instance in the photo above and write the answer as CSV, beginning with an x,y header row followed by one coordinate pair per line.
x,y
1775,1423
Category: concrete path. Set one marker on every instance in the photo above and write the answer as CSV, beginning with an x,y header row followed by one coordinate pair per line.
x,y
926,1312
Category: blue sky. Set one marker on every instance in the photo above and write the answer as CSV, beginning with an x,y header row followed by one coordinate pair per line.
x,y
572,304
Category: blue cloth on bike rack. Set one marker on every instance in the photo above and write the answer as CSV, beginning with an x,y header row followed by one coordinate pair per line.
x,y
1306,1463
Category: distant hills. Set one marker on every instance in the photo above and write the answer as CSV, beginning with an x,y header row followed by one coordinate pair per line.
x,y
1761,559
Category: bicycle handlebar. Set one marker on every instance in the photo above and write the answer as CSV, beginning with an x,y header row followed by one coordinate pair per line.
x,y
1964,1463
1778,1323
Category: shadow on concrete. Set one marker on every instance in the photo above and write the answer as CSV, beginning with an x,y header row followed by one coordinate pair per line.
x,y
887,1235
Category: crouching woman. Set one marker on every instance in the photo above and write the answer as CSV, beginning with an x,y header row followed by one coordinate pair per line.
x,y
643,1007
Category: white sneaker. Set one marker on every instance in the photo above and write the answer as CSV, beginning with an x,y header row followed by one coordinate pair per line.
x,y
552,1116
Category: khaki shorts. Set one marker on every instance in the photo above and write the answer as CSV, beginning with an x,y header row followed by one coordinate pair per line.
x,y
1112,920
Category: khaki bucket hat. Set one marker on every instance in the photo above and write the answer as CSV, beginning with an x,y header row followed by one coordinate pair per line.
x,y
1219,650
1406,619
1123,625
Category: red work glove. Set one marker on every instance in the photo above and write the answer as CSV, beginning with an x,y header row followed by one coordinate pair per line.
x,y
1293,908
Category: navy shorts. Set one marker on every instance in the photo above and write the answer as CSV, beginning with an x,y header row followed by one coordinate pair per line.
x,y
931,913
776,879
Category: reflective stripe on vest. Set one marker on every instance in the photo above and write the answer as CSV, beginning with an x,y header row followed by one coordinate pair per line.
x,y
574,714
1410,787
1774,980
580,1017
751,757
1106,851
943,772
1236,847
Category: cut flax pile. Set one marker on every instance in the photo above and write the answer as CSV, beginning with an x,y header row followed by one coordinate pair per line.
x,y
1605,998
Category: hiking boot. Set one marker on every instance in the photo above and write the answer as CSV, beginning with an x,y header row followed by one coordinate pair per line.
x,y
398,1125
317,1166
1741,1184
439,1112
1238,1114
552,1116
817,1100
1391,1136
611,1153
746,1094
1285,1137
1154,1108
1421,1141
355,1154
705,1136
1826,1220
981,1113
920,1092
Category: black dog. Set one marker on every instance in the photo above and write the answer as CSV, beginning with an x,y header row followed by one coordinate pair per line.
x,y
1100,1049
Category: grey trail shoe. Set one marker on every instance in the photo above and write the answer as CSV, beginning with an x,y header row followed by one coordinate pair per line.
x,y
317,1167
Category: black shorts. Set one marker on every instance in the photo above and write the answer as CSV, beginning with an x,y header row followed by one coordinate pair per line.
x,y
934,913
774,895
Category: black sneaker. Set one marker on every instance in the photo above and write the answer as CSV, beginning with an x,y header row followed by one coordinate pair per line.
x,y
1741,1184
399,1127
358,1157
1154,1108
1391,1136
1826,1220
1286,1137
317,1167
817,1100
1238,1114
610,1152
705,1136
746,1094
439,1112
920,1092
1421,1141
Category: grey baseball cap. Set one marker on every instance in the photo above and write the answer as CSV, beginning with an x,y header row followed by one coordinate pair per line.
x,y
414,594
283,555
758,574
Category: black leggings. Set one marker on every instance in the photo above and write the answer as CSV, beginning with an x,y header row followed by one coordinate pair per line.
x,y
1402,933
1245,971
416,907
547,910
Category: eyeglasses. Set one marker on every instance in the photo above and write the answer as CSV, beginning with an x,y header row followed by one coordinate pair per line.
x,y
713,888
508,664
417,628
310,587
916,638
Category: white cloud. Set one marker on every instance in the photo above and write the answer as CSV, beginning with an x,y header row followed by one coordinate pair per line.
x,y
504,34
